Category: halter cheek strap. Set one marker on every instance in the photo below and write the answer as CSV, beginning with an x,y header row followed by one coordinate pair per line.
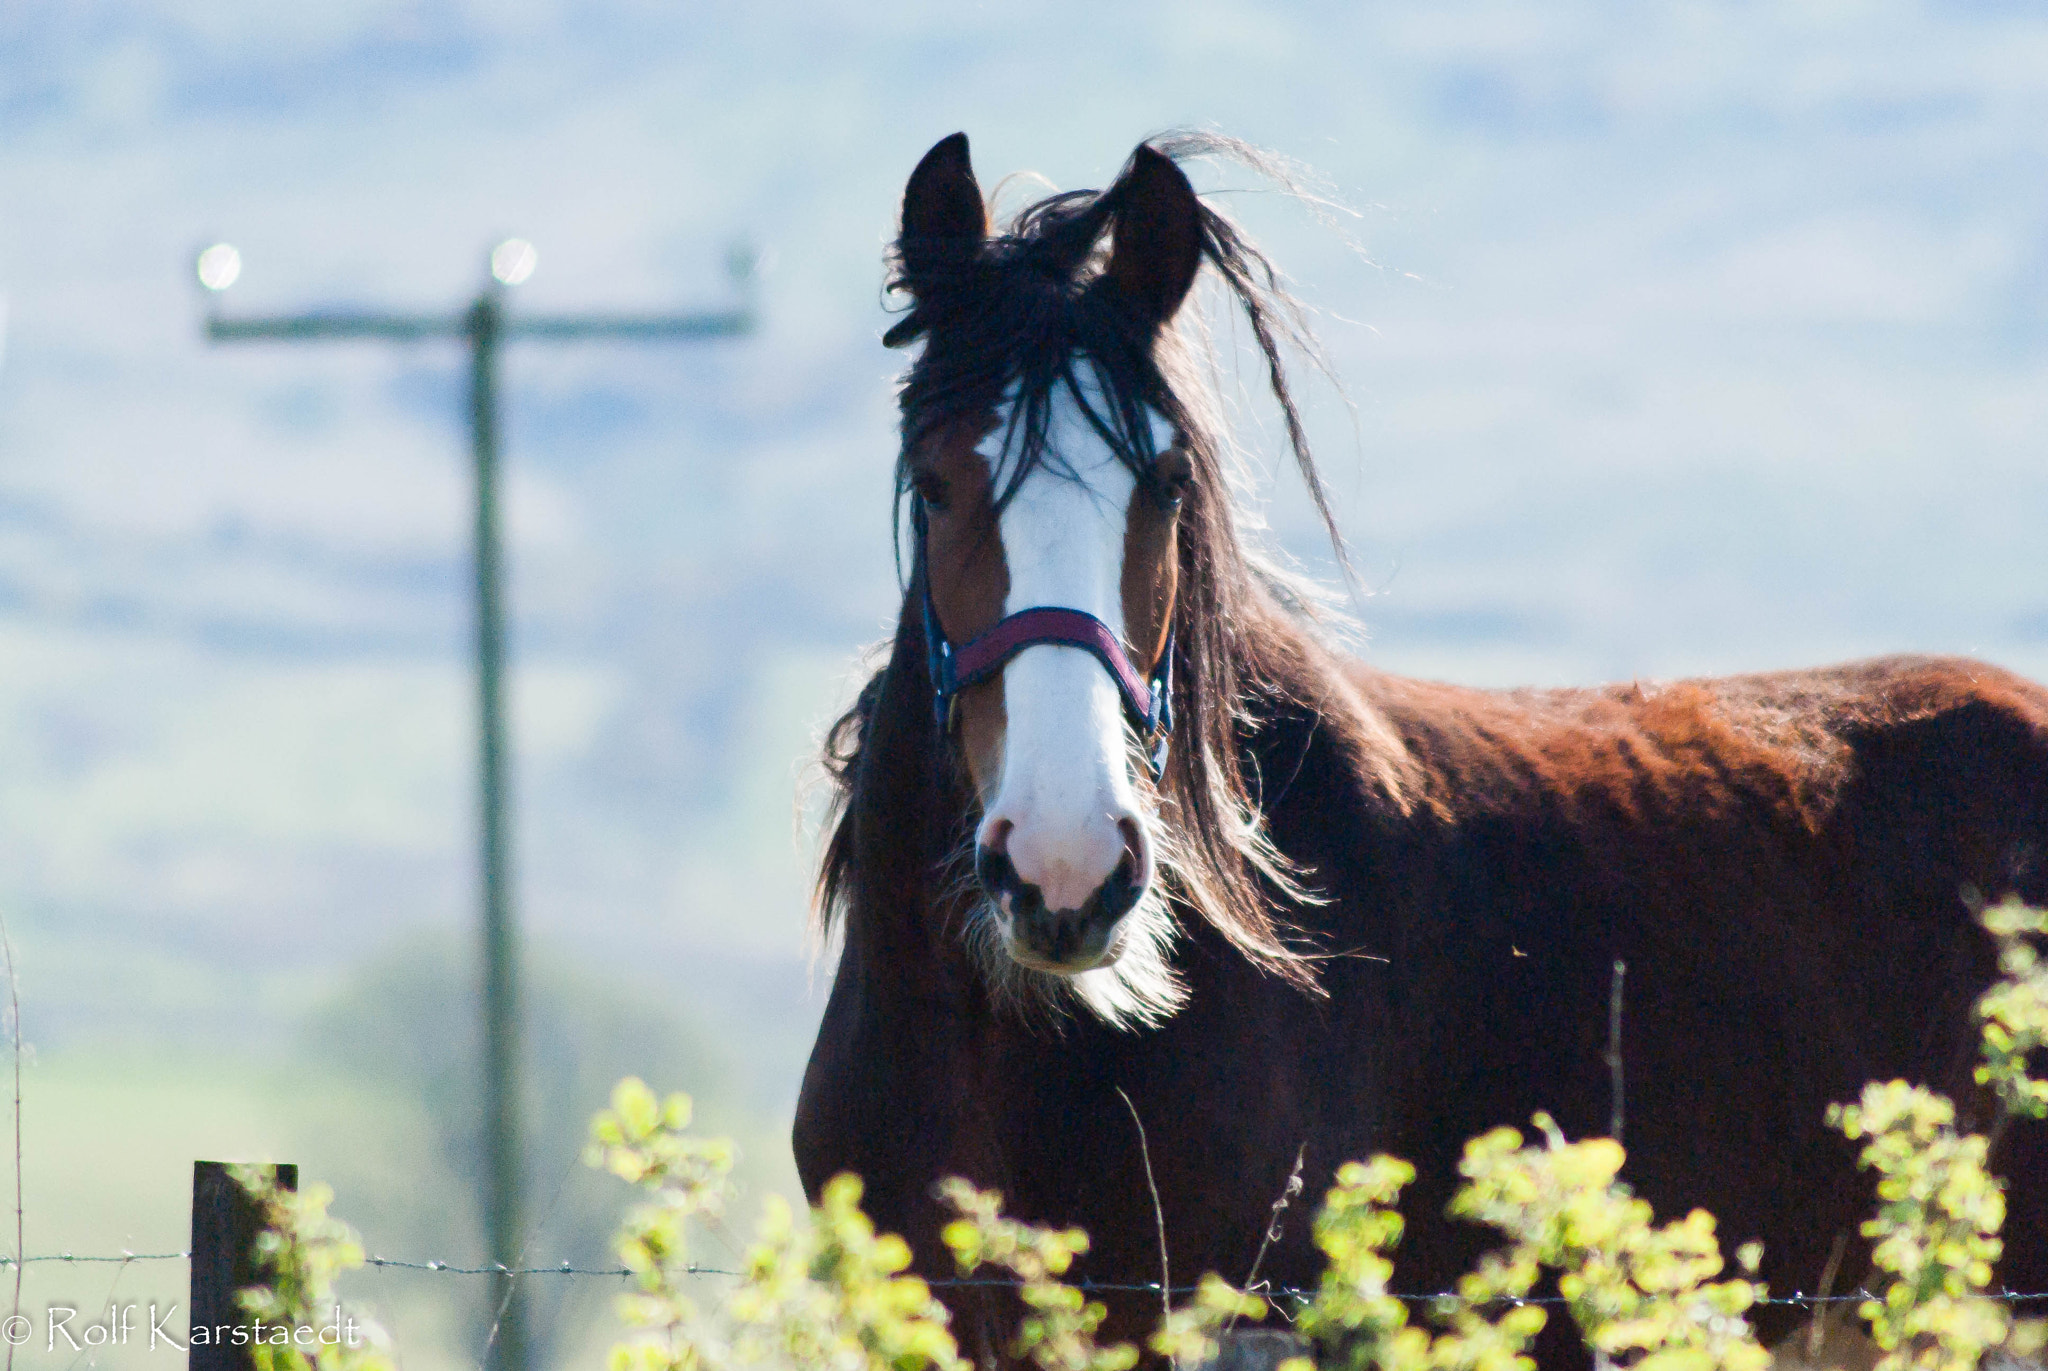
x,y
1147,701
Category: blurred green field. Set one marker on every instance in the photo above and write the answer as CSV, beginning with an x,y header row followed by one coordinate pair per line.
x,y
374,1107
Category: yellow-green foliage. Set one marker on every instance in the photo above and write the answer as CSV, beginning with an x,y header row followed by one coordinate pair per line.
x,y
1188,1334
640,1139
305,1250
1939,1207
832,1296
826,1295
1634,1288
1936,1228
1356,1324
1353,1322
1059,1332
2015,1010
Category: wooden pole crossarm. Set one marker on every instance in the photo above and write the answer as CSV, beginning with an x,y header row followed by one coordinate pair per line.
x,y
305,327
413,328
644,327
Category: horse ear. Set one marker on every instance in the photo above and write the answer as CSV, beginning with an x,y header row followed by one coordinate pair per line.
x,y
942,209
1157,242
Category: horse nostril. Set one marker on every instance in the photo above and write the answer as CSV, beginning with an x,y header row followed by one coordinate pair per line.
x,y
996,872
995,836
1125,886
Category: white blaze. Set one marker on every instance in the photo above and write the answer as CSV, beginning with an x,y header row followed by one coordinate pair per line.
x,y
1065,784
1064,793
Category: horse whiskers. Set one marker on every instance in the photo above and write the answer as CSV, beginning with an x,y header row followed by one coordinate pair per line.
x,y
958,884
1015,991
1140,989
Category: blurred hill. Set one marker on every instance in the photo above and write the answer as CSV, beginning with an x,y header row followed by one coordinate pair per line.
x,y
1682,338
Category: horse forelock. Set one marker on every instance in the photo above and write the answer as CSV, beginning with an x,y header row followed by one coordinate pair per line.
x,y
1001,329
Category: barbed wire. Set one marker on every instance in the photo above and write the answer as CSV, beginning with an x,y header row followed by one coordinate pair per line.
x,y
125,1257
442,1268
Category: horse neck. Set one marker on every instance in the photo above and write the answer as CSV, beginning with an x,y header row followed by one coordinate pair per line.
x,y
1321,687
903,820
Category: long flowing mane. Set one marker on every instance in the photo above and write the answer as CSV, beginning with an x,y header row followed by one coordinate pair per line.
x,y
1008,322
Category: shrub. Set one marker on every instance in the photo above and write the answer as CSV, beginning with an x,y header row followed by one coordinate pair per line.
x,y
833,1294
1939,1208
1633,1288
1058,1334
828,1295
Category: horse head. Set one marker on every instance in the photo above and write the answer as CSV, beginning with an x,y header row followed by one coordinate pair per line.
x,y
1074,578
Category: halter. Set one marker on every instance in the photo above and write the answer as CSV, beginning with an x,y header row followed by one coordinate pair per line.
x,y
1148,701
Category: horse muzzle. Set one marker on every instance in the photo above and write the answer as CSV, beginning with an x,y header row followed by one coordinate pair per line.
x,y
1064,941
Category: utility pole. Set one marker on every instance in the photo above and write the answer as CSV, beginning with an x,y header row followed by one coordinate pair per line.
x,y
485,325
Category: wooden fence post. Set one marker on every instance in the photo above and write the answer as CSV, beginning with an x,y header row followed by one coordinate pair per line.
x,y
225,1222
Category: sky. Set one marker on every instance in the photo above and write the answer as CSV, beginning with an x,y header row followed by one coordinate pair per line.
x,y
1672,339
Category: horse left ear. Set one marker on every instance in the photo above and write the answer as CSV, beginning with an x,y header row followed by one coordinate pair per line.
x,y
1156,244
943,213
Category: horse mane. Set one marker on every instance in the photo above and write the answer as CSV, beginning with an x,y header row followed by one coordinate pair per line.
x,y
1007,322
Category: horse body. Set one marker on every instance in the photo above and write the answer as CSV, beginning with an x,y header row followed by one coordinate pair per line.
x,y
1780,861
1785,864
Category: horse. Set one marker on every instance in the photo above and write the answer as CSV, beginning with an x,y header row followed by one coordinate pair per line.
x,y
1145,886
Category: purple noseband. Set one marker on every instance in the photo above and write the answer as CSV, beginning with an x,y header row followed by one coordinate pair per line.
x,y
1148,702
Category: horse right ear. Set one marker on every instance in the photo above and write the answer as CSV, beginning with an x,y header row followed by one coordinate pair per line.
x,y
944,218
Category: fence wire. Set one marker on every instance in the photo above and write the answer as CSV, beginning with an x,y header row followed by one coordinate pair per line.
x,y
442,1268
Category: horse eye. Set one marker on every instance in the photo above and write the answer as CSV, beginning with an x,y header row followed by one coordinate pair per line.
x,y
930,488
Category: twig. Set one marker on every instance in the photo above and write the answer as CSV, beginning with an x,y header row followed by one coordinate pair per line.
x,y
112,1289
14,1023
1287,1194
1614,1048
1158,1213
519,1267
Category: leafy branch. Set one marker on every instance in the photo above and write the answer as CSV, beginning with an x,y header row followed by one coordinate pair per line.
x,y
1637,1291
830,1294
1059,1332
304,1250
1940,1208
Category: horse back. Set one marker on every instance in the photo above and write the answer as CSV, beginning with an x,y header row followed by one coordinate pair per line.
x,y
1896,775
1785,864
